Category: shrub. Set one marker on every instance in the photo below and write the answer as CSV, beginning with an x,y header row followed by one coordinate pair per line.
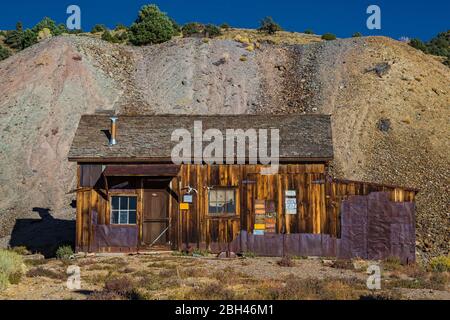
x,y
64,252
249,254
309,31
104,295
62,28
199,252
343,264
357,35
328,36
211,31
197,29
4,52
44,34
121,286
11,268
225,26
192,28
213,291
22,250
286,261
108,36
120,27
98,28
392,263
269,26
440,264
151,26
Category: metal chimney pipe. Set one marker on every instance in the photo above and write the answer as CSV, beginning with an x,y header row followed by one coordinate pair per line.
x,y
113,140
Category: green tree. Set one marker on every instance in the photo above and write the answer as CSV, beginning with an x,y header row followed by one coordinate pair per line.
x,y
439,46
49,24
418,44
19,39
328,36
309,31
357,35
151,26
4,52
269,26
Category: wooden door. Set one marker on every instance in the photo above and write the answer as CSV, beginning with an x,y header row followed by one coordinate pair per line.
x,y
155,217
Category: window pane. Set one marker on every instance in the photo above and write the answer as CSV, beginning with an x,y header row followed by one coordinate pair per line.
x,y
132,217
123,217
115,217
231,203
221,201
123,203
230,206
115,203
212,199
132,203
221,196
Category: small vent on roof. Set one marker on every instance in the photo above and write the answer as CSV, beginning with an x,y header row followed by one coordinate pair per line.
x,y
112,140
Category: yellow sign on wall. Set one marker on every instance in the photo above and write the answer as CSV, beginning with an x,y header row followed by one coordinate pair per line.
x,y
184,206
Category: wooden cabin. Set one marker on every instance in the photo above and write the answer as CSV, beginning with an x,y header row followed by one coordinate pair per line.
x,y
131,196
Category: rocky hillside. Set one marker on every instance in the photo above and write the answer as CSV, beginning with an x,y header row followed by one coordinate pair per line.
x,y
390,106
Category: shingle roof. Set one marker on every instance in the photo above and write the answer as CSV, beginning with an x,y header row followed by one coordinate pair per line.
x,y
148,138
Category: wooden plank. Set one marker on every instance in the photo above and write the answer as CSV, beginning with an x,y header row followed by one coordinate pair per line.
x,y
169,170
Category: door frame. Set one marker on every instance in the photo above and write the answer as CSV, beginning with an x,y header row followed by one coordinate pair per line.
x,y
167,219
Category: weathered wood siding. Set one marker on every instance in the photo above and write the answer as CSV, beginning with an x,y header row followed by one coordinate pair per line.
x,y
319,200
198,229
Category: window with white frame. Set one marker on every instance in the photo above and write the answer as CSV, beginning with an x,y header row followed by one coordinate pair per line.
x,y
123,209
222,202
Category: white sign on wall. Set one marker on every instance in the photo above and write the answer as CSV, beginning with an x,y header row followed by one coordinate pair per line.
x,y
291,202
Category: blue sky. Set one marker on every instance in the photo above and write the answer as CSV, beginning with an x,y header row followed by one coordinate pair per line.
x,y
422,19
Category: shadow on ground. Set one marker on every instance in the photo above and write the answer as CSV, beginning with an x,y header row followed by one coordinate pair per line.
x,y
43,235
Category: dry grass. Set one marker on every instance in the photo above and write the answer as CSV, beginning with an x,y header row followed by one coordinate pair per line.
x,y
343,264
48,273
318,289
286,261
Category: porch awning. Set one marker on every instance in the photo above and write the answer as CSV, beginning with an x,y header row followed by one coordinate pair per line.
x,y
167,170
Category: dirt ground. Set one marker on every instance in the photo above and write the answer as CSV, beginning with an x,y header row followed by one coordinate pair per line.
x,y
170,276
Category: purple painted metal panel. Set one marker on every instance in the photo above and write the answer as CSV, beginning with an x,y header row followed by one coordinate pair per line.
x,y
112,236
372,227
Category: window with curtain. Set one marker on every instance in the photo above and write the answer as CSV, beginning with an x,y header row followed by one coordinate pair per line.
x,y
222,202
